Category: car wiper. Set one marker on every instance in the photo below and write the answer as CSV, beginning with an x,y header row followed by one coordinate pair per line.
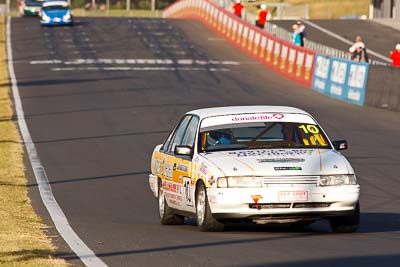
x,y
226,147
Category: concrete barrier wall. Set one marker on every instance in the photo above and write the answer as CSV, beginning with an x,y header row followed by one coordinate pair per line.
x,y
341,79
383,88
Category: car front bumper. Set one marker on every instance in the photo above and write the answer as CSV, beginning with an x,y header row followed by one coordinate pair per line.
x,y
314,202
53,22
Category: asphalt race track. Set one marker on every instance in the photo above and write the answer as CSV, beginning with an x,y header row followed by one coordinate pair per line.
x,y
100,95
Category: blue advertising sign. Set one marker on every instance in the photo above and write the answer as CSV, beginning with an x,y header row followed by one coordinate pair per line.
x,y
342,79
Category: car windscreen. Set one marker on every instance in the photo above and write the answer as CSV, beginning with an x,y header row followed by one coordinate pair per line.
x,y
33,3
259,135
48,8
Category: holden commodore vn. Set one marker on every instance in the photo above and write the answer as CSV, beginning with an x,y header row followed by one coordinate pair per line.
x,y
260,164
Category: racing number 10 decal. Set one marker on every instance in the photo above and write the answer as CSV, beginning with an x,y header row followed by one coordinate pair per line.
x,y
315,138
188,191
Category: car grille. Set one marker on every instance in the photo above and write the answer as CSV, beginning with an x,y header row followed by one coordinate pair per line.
x,y
270,206
311,205
290,181
290,205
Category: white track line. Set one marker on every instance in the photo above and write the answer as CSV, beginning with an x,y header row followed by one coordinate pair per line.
x,y
328,32
140,69
57,215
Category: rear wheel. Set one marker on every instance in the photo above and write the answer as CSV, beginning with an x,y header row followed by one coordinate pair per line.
x,y
205,220
167,215
346,224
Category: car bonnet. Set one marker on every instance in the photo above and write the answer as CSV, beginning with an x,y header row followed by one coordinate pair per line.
x,y
277,162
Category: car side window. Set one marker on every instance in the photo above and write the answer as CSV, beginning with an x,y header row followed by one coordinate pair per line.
x,y
168,141
190,134
179,132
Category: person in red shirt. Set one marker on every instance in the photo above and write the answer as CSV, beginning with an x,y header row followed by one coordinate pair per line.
x,y
238,7
262,16
395,56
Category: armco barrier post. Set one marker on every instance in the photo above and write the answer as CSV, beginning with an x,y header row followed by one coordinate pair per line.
x,y
250,40
245,34
207,13
215,18
220,21
234,30
284,56
299,63
224,24
291,60
239,33
229,28
257,40
308,66
270,47
277,52
263,46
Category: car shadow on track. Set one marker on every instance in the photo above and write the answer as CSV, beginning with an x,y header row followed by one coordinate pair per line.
x,y
370,223
355,261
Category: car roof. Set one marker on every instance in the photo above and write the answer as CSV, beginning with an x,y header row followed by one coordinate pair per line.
x,y
235,110
55,3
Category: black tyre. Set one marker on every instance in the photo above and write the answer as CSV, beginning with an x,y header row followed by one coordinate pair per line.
x,y
205,219
346,224
167,215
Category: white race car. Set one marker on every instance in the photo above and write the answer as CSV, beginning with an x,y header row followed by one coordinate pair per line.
x,y
262,164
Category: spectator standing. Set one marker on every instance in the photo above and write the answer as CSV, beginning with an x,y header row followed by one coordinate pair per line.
x,y
20,6
395,56
262,16
296,36
238,8
358,51
302,31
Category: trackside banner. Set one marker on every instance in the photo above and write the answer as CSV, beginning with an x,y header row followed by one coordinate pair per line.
x,y
293,62
341,79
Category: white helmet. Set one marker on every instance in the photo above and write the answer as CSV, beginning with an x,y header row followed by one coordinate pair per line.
x,y
238,1
263,6
398,47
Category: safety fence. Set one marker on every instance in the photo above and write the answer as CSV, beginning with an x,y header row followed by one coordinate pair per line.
x,y
333,76
294,62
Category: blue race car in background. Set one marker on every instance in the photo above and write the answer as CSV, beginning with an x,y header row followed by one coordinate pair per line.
x,y
55,13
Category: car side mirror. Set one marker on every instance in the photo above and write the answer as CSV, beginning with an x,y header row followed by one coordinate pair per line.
x,y
183,151
340,144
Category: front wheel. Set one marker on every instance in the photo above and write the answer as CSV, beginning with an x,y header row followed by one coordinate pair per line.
x,y
205,220
167,215
346,224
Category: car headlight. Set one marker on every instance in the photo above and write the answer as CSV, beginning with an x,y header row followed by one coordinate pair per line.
x,y
224,182
67,16
45,17
343,179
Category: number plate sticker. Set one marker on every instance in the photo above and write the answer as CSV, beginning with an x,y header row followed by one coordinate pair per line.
x,y
293,196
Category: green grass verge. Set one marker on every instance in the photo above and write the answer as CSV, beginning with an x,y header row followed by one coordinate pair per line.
x,y
22,235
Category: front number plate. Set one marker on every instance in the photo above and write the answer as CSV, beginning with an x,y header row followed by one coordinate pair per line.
x,y
292,196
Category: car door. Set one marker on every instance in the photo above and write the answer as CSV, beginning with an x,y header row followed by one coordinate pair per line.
x,y
172,179
183,166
